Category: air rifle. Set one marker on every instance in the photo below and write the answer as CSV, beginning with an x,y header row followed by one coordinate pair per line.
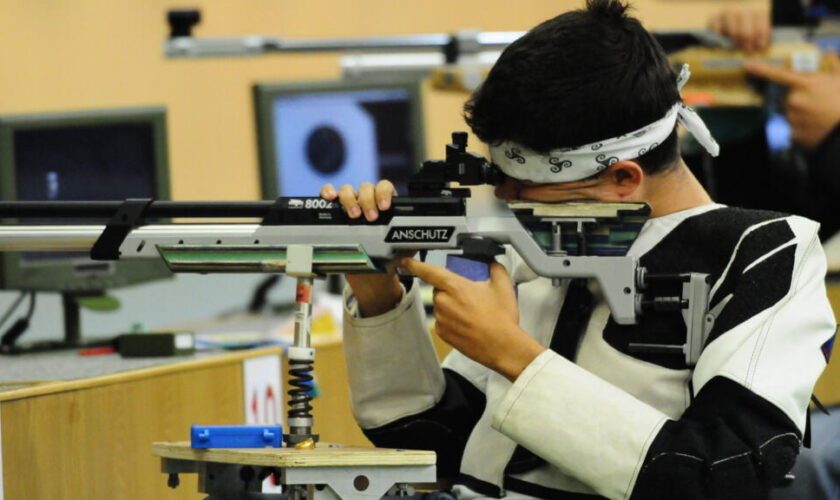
x,y
557,241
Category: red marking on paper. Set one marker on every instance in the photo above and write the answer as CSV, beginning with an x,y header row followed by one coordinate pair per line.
x,y
270,408
254,407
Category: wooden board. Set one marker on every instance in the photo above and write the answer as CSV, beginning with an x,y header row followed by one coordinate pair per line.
x,y
29,389
325,455
92,442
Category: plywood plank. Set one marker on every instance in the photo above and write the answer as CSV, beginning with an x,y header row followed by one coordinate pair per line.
x,y
325,455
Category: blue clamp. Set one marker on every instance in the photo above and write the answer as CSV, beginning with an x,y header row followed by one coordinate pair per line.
x,y
236,436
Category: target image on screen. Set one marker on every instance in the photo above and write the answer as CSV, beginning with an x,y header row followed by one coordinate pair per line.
x,y
338,136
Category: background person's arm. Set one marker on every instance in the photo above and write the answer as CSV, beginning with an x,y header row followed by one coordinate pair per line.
x,y
812,105
748,29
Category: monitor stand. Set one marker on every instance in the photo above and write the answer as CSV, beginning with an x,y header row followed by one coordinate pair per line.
x,y
72,331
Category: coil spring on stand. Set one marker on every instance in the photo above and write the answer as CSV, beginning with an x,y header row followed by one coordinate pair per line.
x,y
300,378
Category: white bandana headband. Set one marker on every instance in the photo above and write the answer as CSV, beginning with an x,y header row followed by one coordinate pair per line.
x,y
572,164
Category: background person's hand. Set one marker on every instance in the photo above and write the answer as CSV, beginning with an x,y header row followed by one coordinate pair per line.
x,y
750,30
480,319
813,102
375,293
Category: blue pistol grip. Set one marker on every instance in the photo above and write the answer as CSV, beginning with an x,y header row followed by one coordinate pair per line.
x,y
236,436
471,269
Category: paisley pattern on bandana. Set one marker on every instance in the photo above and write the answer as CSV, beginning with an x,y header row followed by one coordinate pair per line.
x,y
558,164
606,161
515,154
648,149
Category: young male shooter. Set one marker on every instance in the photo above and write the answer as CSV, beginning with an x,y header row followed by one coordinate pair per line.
x,y
544,395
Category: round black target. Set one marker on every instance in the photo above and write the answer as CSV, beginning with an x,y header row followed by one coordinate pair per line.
x,y
326,150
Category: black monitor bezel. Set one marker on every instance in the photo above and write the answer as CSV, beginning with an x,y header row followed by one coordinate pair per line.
x,y
63,275
265,93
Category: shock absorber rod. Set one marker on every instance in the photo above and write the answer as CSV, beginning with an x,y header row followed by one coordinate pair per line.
x,y
301,355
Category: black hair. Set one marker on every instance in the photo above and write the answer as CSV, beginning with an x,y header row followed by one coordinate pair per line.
x,y
583,76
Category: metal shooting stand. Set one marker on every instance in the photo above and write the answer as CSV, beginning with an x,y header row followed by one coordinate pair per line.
x,y
308,471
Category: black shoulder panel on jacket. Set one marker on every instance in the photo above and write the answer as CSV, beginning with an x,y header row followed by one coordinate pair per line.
x,y
758,288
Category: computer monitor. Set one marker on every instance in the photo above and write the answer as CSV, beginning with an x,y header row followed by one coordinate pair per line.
x,y
313,133
93,155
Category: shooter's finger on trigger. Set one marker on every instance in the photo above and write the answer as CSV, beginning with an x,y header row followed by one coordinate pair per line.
x,y
400,255
367,201
436,276
328,192
394,264
384,192
347,197
499,276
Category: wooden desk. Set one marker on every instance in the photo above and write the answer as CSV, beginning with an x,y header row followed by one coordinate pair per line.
x,y
89,438
83,426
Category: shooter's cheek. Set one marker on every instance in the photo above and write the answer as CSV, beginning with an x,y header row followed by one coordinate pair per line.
x,y
508,190
548,195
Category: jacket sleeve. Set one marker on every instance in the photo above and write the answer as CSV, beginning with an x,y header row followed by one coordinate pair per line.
x,y
741,433
402,397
